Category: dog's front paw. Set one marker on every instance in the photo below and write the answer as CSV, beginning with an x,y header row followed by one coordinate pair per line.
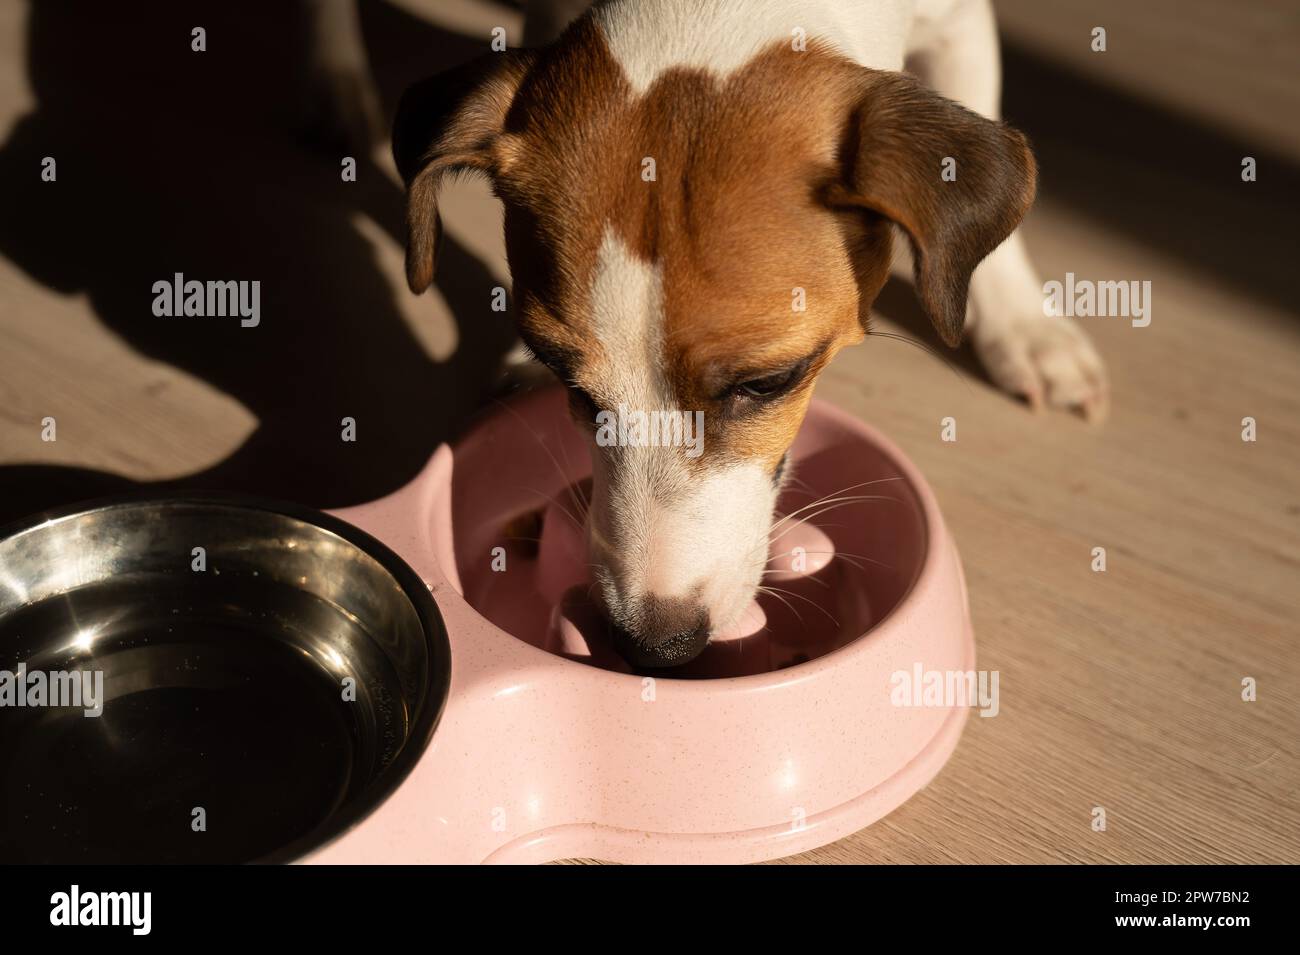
x,y
1046,360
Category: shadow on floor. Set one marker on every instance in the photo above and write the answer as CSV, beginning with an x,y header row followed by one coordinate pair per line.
x,y
1165,180
175,161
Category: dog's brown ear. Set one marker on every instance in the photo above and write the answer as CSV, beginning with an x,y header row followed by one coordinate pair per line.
x,y
448,123
900,140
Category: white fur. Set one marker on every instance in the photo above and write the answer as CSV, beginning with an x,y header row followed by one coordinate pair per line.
x,y
627,316
648,37
660,529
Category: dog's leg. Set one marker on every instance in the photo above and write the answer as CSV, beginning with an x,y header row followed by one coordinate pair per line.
x,y
1046,359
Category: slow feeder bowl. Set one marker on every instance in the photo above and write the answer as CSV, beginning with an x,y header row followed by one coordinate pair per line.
x,y
775,740
222,687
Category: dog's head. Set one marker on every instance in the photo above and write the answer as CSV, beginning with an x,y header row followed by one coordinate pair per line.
x,y
703,244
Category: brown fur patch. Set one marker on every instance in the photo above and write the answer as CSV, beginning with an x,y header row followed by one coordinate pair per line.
x,y
735,219
784,174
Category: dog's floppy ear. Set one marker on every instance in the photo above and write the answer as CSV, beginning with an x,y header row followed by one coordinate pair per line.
x,y
899,141
448,123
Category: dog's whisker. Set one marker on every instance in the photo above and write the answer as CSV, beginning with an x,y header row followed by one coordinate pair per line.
x,y
836,506
804,485
563,473
772,592
829,615
778,570
550,499
582,503
826,497
819,583
929,350
787,554
818,553
844,490
850,558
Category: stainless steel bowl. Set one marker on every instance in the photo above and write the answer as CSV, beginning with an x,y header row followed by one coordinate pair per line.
x,y
259,696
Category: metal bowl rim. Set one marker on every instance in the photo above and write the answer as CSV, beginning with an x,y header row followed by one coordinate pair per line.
x,y
426,609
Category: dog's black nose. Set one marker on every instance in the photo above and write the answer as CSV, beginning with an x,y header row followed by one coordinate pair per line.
x,y
663,632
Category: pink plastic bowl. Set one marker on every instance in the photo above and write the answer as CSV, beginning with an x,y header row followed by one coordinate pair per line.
x,y
782,736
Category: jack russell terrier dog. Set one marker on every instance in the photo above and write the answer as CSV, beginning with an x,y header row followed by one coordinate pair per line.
x,y
672,171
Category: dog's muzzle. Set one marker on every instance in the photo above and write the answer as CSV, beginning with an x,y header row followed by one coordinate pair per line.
x,y
664,632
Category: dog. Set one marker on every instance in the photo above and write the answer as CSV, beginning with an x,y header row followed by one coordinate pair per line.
x,y
675,175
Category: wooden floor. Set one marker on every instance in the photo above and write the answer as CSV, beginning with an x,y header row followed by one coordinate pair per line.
x,y
1123,689
1120,690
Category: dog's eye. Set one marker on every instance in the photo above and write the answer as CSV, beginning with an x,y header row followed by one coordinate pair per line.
x,y
769,386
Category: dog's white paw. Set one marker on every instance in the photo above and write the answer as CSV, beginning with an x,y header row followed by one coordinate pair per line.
x,y
1047,360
